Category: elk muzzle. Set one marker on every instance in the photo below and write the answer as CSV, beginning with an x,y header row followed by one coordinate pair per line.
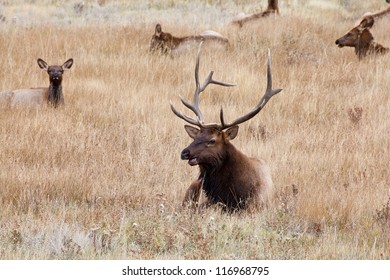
x,y
339,43
186,155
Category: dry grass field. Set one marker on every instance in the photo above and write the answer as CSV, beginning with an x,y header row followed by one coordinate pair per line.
x,y
101,178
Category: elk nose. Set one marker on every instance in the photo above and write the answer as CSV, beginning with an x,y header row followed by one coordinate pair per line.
x,y
185,154
55,76
337,42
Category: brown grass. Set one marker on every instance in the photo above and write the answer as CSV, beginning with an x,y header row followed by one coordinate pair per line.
x,y
101,178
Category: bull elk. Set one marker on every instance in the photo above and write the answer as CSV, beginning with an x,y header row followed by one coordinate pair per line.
x,y
361,39
273,8
36,96
227,176
166,43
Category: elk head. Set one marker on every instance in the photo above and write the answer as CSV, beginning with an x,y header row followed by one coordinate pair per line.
x,y
55,71
54,93
210,143
358,37
157,42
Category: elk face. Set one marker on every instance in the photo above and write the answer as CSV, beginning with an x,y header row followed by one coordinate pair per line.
x,y
348,40
208,147
55,71
157,42
360,36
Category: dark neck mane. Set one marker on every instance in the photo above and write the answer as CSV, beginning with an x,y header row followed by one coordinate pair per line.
x,y
55,96
220,182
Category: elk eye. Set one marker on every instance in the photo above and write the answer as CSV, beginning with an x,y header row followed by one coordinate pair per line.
x,y
211,142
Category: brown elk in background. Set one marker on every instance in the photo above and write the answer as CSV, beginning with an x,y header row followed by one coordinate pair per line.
x,y
166,42
273,8
227,176
52,95
361,39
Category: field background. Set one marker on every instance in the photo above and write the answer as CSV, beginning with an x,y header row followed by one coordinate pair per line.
x,y
102,177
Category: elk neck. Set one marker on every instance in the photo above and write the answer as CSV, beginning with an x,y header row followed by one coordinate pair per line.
x,y
224,169
220,162
377,48
225,184
55,96
370,48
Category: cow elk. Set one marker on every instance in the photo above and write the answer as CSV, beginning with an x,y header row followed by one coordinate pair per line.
x,y
361,39
166,43
272,9
52,95
227,176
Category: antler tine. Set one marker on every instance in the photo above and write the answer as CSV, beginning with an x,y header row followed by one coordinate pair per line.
x,y
199,88
195,106
263,101
183,116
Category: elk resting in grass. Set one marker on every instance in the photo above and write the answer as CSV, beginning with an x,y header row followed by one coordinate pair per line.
x,y
361,39
227,176
165,43
36,96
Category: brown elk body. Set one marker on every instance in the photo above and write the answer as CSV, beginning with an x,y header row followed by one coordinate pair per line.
x,y
272,9
227,176
52,95
361,39
166,42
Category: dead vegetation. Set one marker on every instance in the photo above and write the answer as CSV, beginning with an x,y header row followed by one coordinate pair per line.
x,y
101,178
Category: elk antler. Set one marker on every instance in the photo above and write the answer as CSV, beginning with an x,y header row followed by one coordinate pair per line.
x,y
199,88
263,101
195,106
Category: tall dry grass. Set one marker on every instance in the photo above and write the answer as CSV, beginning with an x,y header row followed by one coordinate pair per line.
x,y
101,178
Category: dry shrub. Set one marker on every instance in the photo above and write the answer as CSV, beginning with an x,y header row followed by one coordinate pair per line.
x,y
383,216
287,198
102,177
355,114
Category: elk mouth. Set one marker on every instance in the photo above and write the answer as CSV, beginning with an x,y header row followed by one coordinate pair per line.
x,y
193,161
339,44
56,78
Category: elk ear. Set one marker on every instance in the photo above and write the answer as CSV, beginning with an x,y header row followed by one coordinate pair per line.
x,y
158,30
192,131
367,22
231,133
42,64
67,64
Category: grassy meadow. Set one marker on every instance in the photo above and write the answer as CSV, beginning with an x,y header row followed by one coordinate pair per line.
x,y
101,178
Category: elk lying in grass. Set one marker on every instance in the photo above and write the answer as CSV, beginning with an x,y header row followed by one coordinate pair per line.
x,y
166,42
272,8
227,176
36,96
361,39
